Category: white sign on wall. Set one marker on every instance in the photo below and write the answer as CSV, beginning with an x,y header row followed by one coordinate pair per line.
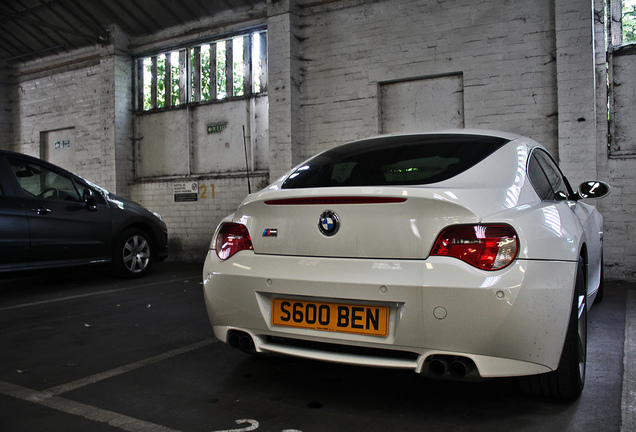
x,y
58,145
186,191
55,147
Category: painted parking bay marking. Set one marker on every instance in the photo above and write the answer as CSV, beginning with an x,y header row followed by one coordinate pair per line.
x,y
253,426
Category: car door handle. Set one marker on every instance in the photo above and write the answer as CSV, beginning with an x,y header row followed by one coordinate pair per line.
x,y
41,211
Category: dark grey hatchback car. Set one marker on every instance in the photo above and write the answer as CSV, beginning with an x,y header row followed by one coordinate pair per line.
x,y
52,218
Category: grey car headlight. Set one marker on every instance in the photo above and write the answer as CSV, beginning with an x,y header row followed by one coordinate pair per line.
x,y
158,216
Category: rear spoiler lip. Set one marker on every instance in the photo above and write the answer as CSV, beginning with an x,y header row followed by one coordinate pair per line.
x,y
332,200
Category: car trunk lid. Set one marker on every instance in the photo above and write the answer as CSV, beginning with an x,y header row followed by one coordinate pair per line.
x,y
384,222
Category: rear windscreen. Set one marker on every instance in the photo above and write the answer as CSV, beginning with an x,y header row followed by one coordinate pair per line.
x,y
394,160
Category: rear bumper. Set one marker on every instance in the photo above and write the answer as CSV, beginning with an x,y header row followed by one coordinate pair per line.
x,y
511,322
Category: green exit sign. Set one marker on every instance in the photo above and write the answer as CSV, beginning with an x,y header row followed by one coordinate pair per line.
x,y
216,128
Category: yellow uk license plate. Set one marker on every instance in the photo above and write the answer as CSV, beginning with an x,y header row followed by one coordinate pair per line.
x,y
334,317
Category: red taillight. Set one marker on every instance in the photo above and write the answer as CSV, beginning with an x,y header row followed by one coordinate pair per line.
x,y
487,247
232,238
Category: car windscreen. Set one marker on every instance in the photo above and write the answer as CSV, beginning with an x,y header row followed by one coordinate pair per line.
x,y
394,160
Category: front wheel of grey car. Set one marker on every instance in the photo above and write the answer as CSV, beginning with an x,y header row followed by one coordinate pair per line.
x,y
134,254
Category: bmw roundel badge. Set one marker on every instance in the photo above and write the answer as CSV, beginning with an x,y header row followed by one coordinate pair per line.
x,y
329,223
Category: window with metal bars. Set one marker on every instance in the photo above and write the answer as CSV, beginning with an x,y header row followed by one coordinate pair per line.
x,y
628,21
221,69
620,22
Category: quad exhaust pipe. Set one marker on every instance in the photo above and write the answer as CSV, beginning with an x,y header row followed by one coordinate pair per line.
x,y
454,367
437,366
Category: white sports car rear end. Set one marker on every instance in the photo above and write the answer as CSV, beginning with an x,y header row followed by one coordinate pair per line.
x,y
459,255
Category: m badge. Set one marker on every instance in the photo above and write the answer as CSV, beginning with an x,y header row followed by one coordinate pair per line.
x,y
270,232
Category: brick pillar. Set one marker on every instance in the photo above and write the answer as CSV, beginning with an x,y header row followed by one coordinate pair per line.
x,y
6,120
283,86
576,86
600,54
116,113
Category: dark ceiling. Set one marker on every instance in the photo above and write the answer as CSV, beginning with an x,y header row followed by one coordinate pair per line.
x,y
34,29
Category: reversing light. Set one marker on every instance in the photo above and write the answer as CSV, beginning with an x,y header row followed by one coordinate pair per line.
x,y
487,247
232,238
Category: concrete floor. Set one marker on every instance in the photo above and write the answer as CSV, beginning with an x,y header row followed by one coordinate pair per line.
x,y
91,353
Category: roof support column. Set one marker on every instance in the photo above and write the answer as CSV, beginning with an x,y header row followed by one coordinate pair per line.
x,y
576,89
284,86
116,100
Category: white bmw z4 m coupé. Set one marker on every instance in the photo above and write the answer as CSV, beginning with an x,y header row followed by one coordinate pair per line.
x,y
461,255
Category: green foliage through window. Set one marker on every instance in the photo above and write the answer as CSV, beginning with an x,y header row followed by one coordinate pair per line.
x,y
202,72
629,22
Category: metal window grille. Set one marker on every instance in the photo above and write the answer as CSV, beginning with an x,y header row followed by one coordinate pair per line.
x,y
222,69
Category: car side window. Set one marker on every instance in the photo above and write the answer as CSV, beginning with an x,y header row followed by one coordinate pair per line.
x,y
553,173
38,181
542,169
539,180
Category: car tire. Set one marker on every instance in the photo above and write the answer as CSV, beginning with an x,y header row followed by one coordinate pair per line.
x,y
568,380
134,254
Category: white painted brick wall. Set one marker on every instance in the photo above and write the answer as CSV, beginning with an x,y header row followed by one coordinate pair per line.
x,y
620,224
191,225
505,50
67,97
527,67
620,172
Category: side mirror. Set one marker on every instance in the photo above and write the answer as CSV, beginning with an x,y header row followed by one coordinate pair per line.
x,y
90,199
593,190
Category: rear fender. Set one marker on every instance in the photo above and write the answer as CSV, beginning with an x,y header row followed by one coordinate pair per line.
x,y
547,231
